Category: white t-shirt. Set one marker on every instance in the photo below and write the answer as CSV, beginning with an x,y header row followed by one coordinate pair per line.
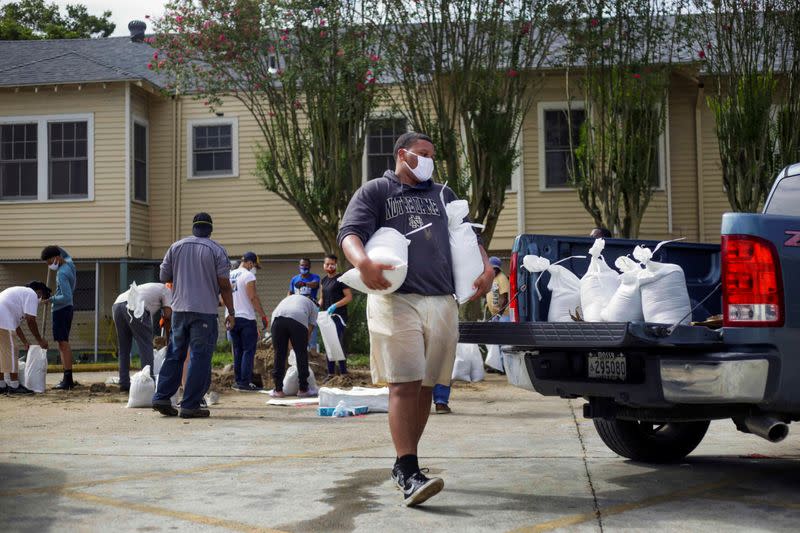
x,y
241,302
155,296
15,303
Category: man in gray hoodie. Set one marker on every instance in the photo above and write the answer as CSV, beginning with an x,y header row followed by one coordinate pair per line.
x,y
413,331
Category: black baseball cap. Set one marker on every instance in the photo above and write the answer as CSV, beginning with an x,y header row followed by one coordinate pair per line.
x,y
251,256
202,225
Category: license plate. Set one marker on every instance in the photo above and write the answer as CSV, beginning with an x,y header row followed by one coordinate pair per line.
x,y
608,365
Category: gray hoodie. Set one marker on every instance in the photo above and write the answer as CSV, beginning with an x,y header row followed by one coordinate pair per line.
x,y
386,202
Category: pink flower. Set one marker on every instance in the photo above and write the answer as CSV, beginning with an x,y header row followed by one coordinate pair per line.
x,y
360,86
271,49
317,10
526,28
284,37
149,66
179,19
701,54
374,58
297,104
272,113
371,81
594,23
340,52
637,76
155,55
511,73
222,37
161,63
323,34
708,45
323,23
207,24
205,102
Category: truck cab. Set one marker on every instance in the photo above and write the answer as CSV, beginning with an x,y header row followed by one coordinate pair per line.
x,y
652,389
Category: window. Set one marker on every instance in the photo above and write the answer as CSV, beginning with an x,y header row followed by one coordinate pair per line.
x,y
556,155
18,161
68,160
381,136
785,199
139,162
83,295
213,148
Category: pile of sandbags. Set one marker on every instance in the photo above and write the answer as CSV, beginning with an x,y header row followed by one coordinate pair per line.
x,y
644,290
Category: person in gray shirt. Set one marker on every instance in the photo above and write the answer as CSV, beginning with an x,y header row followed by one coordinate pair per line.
x,y
293,320
199,269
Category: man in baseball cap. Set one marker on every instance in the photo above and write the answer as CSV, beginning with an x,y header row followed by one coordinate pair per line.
x,y
244,334
202,225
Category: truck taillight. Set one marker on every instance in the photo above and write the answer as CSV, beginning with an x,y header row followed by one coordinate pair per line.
x,y
752,287
513,307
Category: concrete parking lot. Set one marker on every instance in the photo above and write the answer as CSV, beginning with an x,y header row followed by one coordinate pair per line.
x,y
511,460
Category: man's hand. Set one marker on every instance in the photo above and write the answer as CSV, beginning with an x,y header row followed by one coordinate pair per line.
x,y
372,274
482,284
229,322
43,344
300,284
265,322
332,309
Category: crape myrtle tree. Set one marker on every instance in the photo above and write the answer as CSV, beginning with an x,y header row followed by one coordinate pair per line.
x,y
36,19
307,72
462,72
749,50
620,54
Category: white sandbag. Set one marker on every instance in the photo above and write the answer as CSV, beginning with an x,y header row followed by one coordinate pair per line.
x,y
36,368
387,246
20,373
466,255
665,298
597,285
291,381
564,286
333,348
626,304
494,357
376,399
158,360
468,357
142,389
135,301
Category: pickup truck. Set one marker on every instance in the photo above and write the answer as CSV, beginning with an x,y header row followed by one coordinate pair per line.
x,y
652,389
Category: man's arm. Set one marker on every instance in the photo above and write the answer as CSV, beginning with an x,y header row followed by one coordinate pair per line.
x,y
166,316
21,335
226,291
165,272
31,320
252,293
63,287
483,283
348,297
313,284
371,272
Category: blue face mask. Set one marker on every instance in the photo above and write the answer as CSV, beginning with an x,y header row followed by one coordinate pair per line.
x,y
304,270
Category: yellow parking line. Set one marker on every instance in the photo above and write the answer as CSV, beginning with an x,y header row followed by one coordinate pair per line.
x,y
179,472
753,501
572,520
160,511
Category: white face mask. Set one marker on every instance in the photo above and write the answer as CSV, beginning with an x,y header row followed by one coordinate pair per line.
x,y
424,169
253,270
53,266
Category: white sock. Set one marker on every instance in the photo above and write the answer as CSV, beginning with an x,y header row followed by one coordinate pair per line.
x,y
13,384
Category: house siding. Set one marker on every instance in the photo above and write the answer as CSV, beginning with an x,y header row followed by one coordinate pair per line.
x,y
140,212
93,228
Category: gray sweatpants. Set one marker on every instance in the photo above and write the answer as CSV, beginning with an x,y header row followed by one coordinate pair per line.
x,y
128,329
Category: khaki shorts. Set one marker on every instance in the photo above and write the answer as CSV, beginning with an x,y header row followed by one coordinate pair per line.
x,y
412,338
8,359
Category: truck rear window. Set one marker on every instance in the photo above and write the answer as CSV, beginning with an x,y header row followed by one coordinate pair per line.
x,y
786,198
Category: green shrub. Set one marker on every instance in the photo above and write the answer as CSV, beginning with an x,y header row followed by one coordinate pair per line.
x,y
356,335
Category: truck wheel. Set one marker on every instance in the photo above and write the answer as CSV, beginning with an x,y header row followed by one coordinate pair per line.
x,y
651,442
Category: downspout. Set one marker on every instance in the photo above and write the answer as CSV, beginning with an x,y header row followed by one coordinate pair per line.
x,y
698,137
127,169
668,170
521,194
176,167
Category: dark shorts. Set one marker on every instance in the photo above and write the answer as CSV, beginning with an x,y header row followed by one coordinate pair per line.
x,y
62,323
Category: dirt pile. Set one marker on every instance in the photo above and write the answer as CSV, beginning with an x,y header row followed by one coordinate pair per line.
x,y
353,378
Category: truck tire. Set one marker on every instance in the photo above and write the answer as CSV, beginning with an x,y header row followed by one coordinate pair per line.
x,y
651,442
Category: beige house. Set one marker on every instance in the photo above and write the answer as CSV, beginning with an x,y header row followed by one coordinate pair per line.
x,y
96,157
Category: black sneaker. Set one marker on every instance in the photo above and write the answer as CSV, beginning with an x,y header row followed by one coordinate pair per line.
x,y
195,413
165,408
4,390
251,387
417,488
125,388
66,385
21,389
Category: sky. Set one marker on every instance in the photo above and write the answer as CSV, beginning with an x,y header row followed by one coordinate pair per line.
x,y
122,12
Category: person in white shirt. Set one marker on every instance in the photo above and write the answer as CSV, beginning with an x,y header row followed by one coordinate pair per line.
x,y
133,313
16,304
244,335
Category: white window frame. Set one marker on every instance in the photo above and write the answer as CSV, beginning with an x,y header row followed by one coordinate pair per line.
x,y
233,122
43,155
579,105
137,120
365,155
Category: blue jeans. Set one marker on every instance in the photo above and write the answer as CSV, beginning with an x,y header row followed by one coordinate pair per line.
x,y
244,337
198,332
441,394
